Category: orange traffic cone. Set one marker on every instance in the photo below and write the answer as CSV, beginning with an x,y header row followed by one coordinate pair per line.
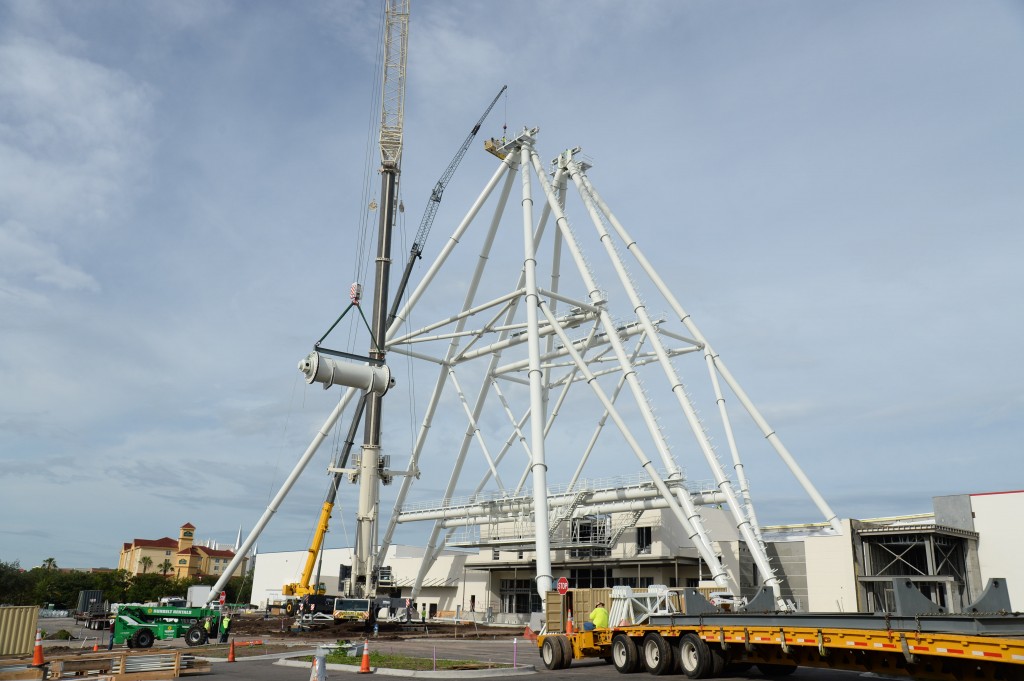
x,y
95,647
364,667
37,654
231,651
568,623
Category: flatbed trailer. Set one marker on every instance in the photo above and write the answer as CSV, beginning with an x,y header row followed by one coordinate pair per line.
x,y
703,641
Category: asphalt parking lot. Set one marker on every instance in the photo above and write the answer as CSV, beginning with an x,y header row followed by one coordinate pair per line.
x,y
505,651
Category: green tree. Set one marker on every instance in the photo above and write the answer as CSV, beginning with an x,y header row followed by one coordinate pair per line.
x,y
114,585
145,588
15,584
165,567
146,562
50,564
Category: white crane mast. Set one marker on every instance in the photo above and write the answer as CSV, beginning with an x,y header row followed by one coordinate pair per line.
x,y
396,46
396,50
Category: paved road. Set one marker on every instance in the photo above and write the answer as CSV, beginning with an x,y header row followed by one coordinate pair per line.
x,y
502,651
264,670
496,651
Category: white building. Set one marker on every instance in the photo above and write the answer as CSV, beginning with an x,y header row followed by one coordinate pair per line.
x,y
949,554
449,586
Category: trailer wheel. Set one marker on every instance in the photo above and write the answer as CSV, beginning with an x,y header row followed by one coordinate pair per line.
x,y
196,635
775,670
566,651
128,642
143,638
551,652
657,654
625,656
695,657
289,608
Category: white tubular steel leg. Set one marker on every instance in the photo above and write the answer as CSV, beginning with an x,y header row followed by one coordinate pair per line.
x,y
694,522
741,395
679,390
720,575
609,326
737,463
452,349
281,494
538,466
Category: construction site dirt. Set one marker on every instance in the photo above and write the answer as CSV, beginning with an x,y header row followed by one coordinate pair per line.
x,y
279,628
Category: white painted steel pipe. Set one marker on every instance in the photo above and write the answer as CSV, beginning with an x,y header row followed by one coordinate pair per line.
x,y
538,465
738,512
508,168
319,368
691,520
652,503
768,432
686,520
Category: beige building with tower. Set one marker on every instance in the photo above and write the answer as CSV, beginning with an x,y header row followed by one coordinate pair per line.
x,y
179,557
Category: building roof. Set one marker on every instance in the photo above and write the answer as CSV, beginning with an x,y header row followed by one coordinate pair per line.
x,y
203,551
163,543
189,526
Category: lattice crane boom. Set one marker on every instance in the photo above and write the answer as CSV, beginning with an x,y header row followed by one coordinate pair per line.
x,y
431,210
396,50
435,196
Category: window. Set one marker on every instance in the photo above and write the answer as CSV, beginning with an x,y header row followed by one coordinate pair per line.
x,y
643,540
519,596
167,553
596,577
592,534
495,554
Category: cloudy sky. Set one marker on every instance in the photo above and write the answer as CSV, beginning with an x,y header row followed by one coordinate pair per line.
x,y
832,189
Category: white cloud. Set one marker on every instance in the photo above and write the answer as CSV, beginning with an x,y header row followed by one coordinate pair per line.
x,y
23,256
73,147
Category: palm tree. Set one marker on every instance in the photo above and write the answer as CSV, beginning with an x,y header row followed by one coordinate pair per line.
x,y
165,567
50,564
146,562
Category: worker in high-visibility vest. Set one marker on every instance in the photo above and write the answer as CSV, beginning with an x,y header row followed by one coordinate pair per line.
x,y
598,618
225,627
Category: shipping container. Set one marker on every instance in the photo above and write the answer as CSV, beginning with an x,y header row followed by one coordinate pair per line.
x,y
90,602
18,629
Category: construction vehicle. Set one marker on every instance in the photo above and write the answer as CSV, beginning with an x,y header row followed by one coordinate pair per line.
x,y
92,610
666,631
138,626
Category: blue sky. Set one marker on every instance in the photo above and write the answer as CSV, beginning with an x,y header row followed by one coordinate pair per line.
x,y
836,185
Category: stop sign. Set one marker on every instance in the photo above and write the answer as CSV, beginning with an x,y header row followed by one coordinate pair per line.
x,y
562,585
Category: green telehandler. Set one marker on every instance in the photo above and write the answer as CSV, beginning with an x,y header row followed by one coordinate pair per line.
x,y
139,626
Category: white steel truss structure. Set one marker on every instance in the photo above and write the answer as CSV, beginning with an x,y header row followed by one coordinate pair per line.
x,y
511,360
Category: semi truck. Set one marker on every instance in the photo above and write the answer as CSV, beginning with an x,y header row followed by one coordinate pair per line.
x,y
91,611
138,626
677,630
